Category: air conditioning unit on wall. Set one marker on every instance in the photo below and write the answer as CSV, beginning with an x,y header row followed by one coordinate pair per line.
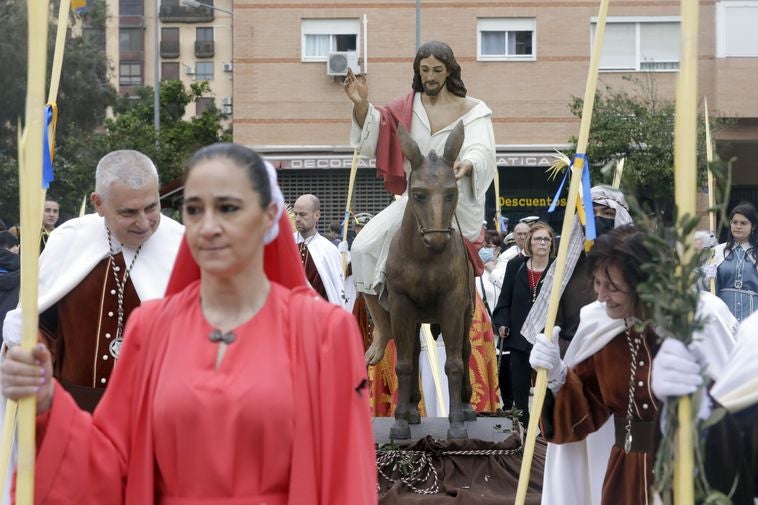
x,y
337,63
228,67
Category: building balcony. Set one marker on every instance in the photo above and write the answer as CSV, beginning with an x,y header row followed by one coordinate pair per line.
x,y
180,14
204,49
131,56
169,48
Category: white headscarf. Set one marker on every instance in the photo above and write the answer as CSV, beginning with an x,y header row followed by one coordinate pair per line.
x,y
601,195
278,198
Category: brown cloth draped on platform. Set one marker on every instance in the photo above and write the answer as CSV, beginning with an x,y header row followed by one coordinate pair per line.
x,y
475,480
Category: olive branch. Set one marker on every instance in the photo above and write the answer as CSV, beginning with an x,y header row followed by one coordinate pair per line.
x,y
670,295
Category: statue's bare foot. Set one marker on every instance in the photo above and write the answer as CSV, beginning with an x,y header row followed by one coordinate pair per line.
x,y
375,352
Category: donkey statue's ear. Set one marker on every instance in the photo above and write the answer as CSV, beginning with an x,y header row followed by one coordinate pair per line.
x,y
409,147
453,144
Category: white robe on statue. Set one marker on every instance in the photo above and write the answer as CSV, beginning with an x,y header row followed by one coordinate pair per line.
x,y
574,472
371,245
328,261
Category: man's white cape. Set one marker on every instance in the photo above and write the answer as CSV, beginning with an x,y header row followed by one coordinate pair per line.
x,y
737,387
78,245
574,472
328,261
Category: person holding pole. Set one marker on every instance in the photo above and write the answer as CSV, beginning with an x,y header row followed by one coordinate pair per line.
x,y
96,269
436,103
611,378
731,445
192,415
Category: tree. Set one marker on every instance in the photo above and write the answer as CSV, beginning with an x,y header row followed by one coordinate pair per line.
x,y
83,98
84,135
640,128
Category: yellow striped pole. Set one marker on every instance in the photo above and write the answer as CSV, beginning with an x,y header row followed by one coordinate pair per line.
x,y
685,188
711,194
348,204
560,263
31,195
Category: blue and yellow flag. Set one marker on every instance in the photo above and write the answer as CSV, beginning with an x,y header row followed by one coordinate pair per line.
x,y
79,6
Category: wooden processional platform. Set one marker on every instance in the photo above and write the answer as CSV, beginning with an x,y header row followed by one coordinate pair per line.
x,y
430,470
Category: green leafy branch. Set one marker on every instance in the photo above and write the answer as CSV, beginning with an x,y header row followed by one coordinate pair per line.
x,y
670,295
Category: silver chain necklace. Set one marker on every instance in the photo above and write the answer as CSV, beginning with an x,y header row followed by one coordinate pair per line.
x,y
740,266
634,350
115,346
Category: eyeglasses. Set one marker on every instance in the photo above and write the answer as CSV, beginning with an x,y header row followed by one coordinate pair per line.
x,y
542,240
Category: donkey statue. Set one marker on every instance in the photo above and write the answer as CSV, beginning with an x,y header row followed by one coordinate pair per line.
x,y
430,280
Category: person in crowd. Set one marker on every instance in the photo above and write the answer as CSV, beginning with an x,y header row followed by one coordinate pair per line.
x,y
96,269
702,239
207,353
10,274
521,285
321,259
731,445
611,356
333,233
50,218
735,262
611,211
437,102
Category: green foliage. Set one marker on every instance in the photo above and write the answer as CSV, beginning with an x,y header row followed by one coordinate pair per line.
x,y
83,98
640,128
132,128
670,294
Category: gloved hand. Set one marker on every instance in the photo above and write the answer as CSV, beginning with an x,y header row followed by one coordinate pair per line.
x,y
709,271
547,355
676,371
342,247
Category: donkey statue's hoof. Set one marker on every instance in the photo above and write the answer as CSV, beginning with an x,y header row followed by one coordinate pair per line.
x,y
469,414
400,431
456,433
414,417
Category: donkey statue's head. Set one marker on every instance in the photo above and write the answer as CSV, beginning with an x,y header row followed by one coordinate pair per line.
x,y
432,187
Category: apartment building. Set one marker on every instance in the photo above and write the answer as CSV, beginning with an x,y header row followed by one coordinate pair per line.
x,y
193,43
526,59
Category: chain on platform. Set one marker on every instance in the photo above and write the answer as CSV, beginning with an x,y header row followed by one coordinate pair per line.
x,y
421,467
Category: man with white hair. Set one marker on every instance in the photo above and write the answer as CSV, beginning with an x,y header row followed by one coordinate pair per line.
x,y
96,269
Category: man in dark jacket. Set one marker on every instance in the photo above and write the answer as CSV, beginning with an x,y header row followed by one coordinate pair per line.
x,y
10,274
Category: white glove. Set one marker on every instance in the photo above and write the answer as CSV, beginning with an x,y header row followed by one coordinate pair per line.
x,y
547,355
342,247
709,271
676,371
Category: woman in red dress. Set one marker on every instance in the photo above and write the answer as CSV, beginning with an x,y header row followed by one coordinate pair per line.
x,y
234,389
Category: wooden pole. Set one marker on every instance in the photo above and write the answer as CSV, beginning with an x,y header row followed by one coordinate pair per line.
x,y
30,189
348,204
11,407
711,193
685,188
560,263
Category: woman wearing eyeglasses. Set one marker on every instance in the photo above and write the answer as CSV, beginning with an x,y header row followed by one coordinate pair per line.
x,y
736,262
521,285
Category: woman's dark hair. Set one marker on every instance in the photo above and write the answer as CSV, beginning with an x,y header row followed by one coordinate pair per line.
x,y
622,247
244,158
748,210
442,52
